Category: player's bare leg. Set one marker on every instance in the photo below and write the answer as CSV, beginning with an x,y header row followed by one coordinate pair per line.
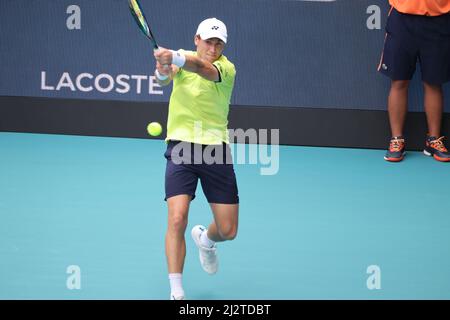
x,y
178,208
224,227
398,106
225,224
433,101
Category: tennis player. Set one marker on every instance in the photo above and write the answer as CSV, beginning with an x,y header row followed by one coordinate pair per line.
x,y
203,82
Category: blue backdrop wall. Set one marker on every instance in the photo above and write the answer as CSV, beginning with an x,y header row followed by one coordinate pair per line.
x,y
310,54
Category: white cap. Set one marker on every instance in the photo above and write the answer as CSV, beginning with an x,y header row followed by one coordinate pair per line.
x,y
212,28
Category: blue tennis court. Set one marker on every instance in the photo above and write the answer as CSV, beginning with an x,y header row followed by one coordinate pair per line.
x,y
310,231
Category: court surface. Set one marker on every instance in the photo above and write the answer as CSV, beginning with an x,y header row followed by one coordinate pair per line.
x,y
308,232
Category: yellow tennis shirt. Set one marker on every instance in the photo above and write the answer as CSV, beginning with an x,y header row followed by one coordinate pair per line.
x,y
198,108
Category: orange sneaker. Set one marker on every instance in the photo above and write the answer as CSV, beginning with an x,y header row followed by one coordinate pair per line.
x,y
435,147
396,151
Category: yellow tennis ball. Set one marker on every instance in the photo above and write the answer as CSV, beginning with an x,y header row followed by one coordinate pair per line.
x,y
154,129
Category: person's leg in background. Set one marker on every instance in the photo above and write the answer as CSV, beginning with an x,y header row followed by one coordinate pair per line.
x,y
434,105
397,110
434,60
398,62
433,102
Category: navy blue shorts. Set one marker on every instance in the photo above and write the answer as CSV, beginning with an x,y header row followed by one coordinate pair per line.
x,y
414,38
212,165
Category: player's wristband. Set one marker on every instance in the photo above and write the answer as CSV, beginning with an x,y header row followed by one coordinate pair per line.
x,y
178,59
160,76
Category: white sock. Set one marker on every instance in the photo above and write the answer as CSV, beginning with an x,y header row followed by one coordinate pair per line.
x,y
176,286
205,241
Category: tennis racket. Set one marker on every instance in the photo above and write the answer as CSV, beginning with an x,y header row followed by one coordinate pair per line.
x,y
141,21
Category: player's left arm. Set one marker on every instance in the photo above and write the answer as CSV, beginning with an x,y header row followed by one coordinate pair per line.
x,y
168,73
192,63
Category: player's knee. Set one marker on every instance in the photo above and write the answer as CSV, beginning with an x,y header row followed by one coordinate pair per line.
x,y
178,222
433,87
228,233
400,84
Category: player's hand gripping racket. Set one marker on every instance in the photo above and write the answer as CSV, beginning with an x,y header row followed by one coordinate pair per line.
x,y
142,23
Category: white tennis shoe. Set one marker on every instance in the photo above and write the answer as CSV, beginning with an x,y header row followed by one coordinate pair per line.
x,y
208,256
